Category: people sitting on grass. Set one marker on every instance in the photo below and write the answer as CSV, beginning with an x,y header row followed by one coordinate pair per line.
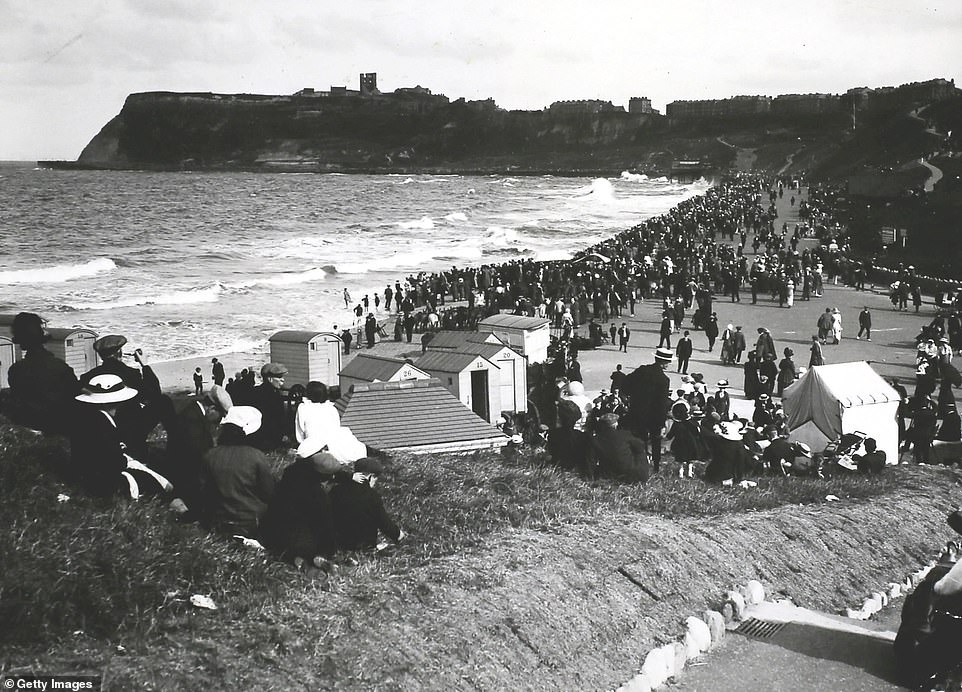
x,y
236,480
316,415
42,386
616,453
98,455
568,447
299,524
358,511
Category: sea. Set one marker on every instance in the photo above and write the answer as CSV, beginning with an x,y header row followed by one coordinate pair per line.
x,y
190,264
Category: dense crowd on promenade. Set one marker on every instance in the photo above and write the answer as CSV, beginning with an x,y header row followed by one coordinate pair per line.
x,y
214,468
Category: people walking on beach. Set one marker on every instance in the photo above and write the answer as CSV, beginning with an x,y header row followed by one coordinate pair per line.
x,y
198,378
370,329
347,298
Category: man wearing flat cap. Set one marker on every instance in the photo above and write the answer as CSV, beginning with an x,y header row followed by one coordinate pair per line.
x,y
151,406
649,402
42,386
268,398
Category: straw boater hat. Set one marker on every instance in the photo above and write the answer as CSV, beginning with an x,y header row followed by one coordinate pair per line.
x,y
680,411
247,418
722,384
663,355
106,389
731,430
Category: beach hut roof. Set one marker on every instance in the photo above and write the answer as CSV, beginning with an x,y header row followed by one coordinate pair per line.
x,y
415,415
454,339
447,361
298,336
366,366
513,322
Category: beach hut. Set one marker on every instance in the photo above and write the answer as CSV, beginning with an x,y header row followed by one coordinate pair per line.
x,y
307,356
829,400
513,383
75,347
419,416
530,336
7,355
365,368
474,380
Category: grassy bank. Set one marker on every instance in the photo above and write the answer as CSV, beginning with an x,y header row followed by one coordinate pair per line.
x,y
513,576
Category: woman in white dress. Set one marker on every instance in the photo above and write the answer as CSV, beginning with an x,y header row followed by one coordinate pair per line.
x,y
836,325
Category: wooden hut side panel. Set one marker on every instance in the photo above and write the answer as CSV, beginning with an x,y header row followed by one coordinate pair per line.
x,y
76,350
324,357
293,356
7,355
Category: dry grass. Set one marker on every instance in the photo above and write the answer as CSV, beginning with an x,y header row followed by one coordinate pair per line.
x,y
80,576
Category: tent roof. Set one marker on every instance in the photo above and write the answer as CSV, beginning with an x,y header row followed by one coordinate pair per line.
x,y
850,384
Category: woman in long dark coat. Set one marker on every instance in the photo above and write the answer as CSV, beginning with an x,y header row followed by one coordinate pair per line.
x,y
752,386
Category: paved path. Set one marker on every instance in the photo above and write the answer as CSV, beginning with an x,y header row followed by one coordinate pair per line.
x,y
934,177
813,652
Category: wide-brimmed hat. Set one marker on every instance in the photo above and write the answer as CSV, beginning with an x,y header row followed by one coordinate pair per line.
x,y
219,398
663,354
731,430
803,449
723,384
111,343
273,370
680,411
106,389
247,418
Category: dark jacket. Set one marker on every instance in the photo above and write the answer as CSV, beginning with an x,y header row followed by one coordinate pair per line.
x,y
729,460
619,454
686,441
568,448
358,515
237,486
96,455
189,438
270,403
683,349
299,522
647,387
42,388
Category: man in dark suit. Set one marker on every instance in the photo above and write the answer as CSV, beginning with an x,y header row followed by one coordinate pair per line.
x,y
217,372
619,454
267,398
683,352
647,389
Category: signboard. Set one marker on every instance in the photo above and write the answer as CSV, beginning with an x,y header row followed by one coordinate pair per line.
x,y
887,235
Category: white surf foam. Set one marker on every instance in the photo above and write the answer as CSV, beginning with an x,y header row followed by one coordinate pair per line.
x,y
424,223
58,273
189,297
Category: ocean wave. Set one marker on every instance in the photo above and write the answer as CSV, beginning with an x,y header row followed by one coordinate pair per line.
x,y
456,217
634,177
424,223
188,297
501,236
288,278
58,273
599,188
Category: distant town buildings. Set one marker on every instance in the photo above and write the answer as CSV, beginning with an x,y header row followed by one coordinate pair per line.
x,y
856,99
584,107
640,104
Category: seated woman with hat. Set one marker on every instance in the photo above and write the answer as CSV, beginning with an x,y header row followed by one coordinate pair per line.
x,y
42,386
97,452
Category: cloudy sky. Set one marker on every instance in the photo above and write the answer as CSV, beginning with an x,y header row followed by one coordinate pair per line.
x,y
67,65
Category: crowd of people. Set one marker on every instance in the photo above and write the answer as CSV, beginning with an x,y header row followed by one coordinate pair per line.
x,y
214,468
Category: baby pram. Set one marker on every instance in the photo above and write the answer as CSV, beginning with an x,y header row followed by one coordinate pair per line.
x,y
839,452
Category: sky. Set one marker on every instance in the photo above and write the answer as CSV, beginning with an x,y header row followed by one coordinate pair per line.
x,y
66,66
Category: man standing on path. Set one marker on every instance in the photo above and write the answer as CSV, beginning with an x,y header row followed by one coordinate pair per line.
x,y
711,331
647,388
765,346
683,352
623,335
864,324
738,343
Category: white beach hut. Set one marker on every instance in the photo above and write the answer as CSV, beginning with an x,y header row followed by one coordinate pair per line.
x,y
366,368
307,356
473,379
514,366
530,336
7,355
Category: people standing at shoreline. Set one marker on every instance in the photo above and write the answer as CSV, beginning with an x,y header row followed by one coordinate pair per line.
x,y
217,372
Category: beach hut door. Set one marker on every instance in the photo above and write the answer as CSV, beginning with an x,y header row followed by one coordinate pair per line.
x,y
479,393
